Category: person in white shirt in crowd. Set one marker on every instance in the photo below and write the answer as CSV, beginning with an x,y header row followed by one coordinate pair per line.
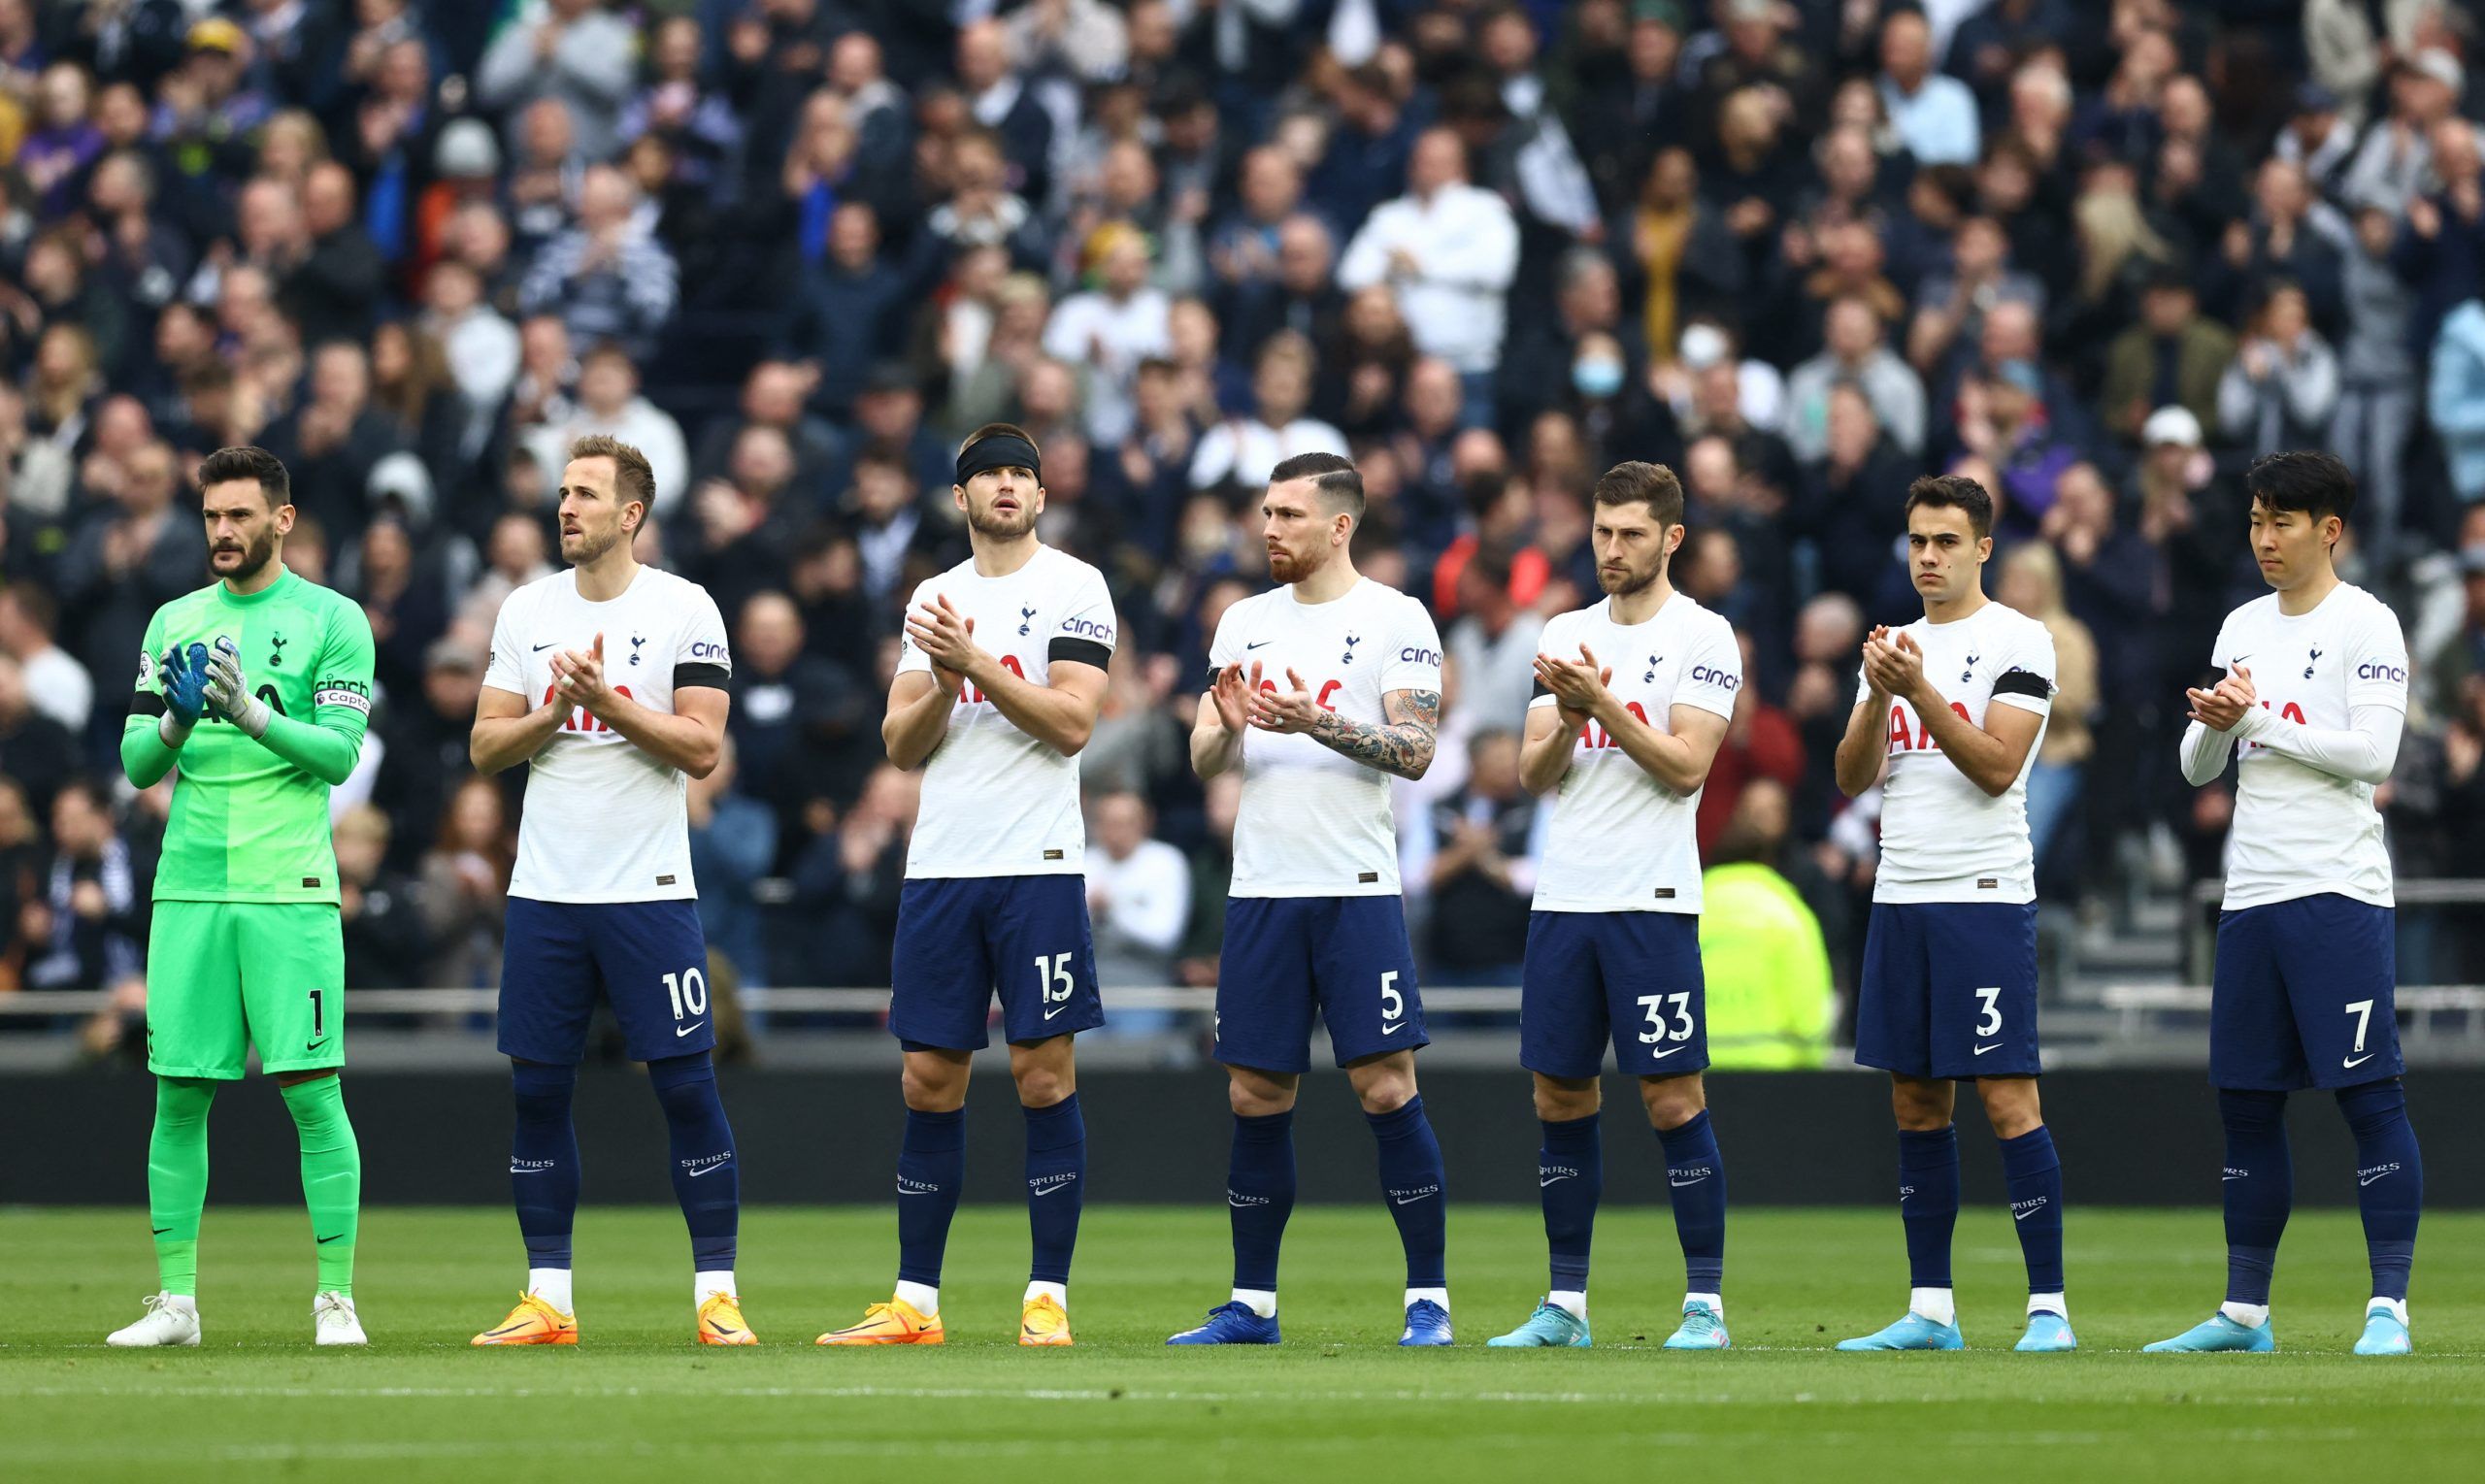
x,y
1855,352
1139,900
608,403
1449,250
1932,114
56,684
1111,328
1244,449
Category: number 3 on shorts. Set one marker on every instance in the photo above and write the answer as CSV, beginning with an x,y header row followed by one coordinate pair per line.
x,y
1393,1005
1989,1022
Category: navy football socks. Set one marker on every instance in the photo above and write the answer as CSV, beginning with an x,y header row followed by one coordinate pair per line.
x,y
705,1180
2258,1189
1413,1180
1569,1179
931,1166
2033,1173
543,1161
1056,1186
1696,1181
1928,1201
2390,1180
1259,1195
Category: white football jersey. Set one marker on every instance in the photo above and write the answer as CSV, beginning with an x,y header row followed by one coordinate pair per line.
x,y
1312,822
2297,831
1942,838
605,821
997,802
1620,841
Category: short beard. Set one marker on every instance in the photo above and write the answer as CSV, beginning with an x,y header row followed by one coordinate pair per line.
x,y
592,551
255,558
1631,585
1000,528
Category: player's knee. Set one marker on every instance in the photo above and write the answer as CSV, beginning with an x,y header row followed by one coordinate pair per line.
x,y
1673,1102
1256,1098
1558,1102
932,1091
2012,1114
1387,1092
1920,1106
1042,1086
2372,1106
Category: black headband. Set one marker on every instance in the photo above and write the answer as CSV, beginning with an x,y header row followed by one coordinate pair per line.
x,y
1002,450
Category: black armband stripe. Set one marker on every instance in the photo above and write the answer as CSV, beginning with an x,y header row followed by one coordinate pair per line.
x,y
2022,682
1085,651
713,676
1542,689
145,703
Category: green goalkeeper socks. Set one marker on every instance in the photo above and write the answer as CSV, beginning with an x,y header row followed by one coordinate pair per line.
x,y
331,1177
177,1178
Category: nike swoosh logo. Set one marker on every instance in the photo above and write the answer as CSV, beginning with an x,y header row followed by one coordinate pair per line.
x,y
539,649
710,1170
160,1230
1679,1184
1262,644
903,1191
1659,1056
1392,1030
315,1045
1995,1046
1049,1015
1556,1180
2024,1215
687,1029
514,1170
2238,660
1407,1200
324,1241
722,1328
2384,1175
1048,1190
2222,1180
2358,1061
507,1328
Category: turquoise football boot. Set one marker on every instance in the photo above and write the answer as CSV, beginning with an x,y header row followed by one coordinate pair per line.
x,y
2217,1332
1913,1332
2048,1333
1703,1329
1550,1324
2384,1333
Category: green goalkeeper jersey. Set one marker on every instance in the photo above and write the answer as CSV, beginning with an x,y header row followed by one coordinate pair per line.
x,y
249,819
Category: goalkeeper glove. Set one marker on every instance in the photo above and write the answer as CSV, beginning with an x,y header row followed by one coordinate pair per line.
x,y
183,680
228,691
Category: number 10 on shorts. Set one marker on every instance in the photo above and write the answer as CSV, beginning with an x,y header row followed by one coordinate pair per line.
x,y
688,990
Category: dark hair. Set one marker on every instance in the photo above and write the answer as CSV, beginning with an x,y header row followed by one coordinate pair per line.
x,y
1333,474
1000,430
633,476
1635,481
1954,491
248,463
2302,479
98,798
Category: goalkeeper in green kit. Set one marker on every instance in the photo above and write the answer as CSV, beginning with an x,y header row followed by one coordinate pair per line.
x,y
257,688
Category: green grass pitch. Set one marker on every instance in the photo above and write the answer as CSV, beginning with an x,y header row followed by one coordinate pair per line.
x,y
639,1402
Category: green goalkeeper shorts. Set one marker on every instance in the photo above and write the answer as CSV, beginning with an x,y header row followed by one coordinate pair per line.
x,y
224,975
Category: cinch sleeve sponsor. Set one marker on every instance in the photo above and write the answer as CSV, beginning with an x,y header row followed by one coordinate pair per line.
x,y
1415,661
704,658
2377,664
1715,672
1086,634
508,667
345,667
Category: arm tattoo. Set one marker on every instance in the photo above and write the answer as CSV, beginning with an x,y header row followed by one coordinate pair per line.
x,y
1402,745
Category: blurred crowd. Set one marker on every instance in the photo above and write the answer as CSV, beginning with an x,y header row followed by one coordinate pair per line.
x,y
2096,254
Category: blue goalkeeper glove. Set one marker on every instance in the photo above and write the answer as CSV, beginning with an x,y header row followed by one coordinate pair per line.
x,y
228,690
183,680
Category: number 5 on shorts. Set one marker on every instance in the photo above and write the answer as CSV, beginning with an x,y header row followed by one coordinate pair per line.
x,y
1393,1005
